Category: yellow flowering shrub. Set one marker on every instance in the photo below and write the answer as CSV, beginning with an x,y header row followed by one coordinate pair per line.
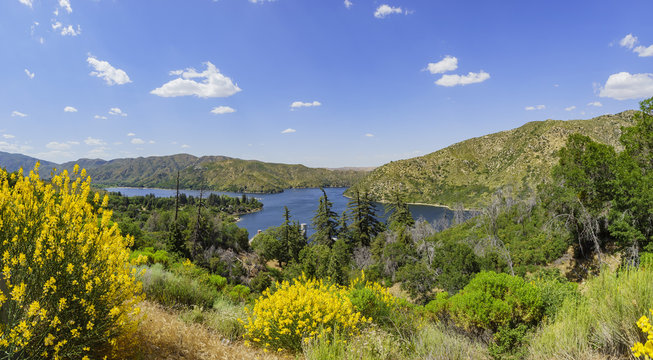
x,y
640,349
66,288
300,311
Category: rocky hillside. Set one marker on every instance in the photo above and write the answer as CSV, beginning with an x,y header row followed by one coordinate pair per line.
x,y
470,171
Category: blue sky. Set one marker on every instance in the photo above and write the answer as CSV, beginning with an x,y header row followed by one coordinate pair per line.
x,y
323,83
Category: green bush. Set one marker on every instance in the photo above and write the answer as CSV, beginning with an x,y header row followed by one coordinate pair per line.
x,y
554,289
439,307
491,301
153,257
239,293
218,281
172,289
366,301
261,281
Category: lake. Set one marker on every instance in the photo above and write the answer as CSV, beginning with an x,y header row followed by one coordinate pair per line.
x,y
302,204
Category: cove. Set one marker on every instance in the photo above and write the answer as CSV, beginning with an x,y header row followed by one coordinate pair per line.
x,y
302,204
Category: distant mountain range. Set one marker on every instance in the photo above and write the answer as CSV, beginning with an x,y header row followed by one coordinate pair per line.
x,y
470,171
219,173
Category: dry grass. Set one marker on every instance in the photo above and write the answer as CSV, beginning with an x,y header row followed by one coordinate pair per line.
x,y
162,335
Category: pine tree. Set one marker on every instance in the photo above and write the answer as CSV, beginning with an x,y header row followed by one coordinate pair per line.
x,y
365,226
325,222
338,262
401,216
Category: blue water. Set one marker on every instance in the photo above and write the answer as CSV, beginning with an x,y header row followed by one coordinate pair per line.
x,y
302,204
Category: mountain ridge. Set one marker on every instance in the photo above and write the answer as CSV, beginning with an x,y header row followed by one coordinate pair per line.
x,y
468,172
220,173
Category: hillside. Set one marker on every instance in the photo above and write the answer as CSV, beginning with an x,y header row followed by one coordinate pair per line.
x,y
470,171
210,172
13,162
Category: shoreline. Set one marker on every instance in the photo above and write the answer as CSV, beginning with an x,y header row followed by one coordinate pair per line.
x,y
105,187
422,204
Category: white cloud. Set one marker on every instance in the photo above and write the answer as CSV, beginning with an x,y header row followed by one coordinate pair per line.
x,y
570,108
26,2
299,104
53,145
644,51
449,63
29,74
70,30
369,135
13,148
69,109
595,103
214,84
470,78
289,131
222,110
73,142
151,142
131,134
100,117
623,86
66,30
628,41
536,107
348,4
116,111
259,1
66,5
137,141
94,142
8,136
98,152
104,70
385,10
17,114
185,146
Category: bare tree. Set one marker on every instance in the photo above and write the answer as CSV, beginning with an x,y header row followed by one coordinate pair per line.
x,y
490,217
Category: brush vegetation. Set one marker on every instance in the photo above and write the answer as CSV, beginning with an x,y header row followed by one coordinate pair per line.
x,y
470,171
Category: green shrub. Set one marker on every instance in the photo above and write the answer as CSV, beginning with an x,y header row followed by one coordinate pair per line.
x,y
222,318
366,301
509,342
491,301
439,307
261,281
239,293
174,290
161,257
218,281
507,306
554,289
152,257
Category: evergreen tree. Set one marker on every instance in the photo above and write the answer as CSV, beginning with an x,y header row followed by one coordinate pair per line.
x,y
401,216
339,261
291,237
365,226
325,222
